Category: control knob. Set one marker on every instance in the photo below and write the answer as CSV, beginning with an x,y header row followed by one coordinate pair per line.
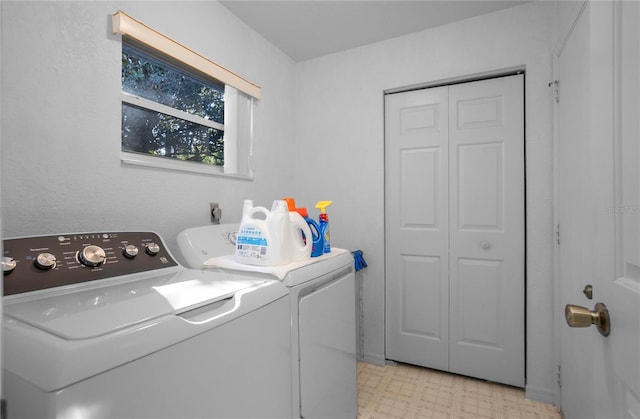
x,y
45,261
152,249
8,264
130,251
92,256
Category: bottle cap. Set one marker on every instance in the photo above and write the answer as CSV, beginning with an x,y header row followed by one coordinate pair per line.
x,y
291,203
303,212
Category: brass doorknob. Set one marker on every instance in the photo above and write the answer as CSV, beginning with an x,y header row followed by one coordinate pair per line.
x,y
578,316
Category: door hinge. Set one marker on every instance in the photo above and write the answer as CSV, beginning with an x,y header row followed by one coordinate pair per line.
x,y
556,90
558,380
557,234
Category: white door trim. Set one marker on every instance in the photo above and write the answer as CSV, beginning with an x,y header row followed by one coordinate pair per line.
x,y
554,89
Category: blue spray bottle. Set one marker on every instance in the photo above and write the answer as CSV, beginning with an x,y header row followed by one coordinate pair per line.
x,y
324,224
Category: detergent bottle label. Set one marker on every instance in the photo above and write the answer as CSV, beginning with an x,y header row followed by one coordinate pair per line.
x,y
251,243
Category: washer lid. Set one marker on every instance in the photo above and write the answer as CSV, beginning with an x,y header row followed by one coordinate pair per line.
x,y
87,313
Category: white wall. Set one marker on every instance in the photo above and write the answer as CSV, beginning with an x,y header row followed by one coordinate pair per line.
x,y
340,136
61,170
319,133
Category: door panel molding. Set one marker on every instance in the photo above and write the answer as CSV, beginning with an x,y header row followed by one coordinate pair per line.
x,y
454,228
597,189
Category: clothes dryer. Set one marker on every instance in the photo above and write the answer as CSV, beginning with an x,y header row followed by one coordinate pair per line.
x,y
109,325
323,318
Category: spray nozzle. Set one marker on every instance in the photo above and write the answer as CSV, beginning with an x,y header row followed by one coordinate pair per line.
x,y
322,206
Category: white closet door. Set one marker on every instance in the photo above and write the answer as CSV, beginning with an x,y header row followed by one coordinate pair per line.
x,y
454,205
417,235
486,167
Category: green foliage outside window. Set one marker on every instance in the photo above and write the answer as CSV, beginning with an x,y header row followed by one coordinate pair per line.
x,y
150,131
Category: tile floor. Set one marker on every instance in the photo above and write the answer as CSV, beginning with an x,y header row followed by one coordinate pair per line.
x,y
404,391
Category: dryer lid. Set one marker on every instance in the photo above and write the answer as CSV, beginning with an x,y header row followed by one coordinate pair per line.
x,y
197,244
87,313
291,274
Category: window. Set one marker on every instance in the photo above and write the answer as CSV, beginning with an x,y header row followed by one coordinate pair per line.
x,y
180,110
169,113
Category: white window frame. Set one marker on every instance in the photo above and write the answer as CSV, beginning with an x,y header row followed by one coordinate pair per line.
x,y
238,125
168,110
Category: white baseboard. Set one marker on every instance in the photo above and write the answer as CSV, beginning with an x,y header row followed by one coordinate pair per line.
x,y
539,394
373,359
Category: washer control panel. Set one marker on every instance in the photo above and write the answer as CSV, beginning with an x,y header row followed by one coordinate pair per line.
x,y
35,263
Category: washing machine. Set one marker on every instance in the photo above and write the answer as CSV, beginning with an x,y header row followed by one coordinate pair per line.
x,y
323,318
109,325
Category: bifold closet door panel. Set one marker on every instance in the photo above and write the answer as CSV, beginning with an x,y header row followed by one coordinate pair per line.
x,y
486,197
416,239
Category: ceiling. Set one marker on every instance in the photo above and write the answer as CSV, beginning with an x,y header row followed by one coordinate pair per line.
x,y
305,29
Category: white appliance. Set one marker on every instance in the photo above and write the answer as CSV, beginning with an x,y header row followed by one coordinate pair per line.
x,y
323,316
108,325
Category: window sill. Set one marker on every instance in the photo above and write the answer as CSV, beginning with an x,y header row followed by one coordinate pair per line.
x,y
178,165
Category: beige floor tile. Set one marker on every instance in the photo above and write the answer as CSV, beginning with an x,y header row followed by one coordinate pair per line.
x,y
409,392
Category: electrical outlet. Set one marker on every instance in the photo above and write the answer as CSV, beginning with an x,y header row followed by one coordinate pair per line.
x,y
216,212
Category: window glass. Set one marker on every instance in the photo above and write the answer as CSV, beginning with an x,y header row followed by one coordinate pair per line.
x,y
156,96
158,134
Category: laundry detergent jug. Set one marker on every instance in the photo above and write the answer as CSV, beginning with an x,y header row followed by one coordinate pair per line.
x,y
300,243
262,241
252,240
279,224
300,247
317,241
